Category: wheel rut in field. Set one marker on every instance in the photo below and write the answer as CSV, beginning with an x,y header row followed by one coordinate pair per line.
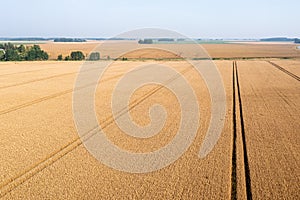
x,y
58,94
237,104
13,182
34,70
44,79
285,71
45,98
234,153
25,72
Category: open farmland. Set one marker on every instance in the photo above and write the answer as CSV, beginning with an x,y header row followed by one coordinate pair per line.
x,y
256,155
228,50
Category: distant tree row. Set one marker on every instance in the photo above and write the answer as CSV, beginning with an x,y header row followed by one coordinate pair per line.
x,y
78,55
11,52
69,40
146,41
166,40
297,40
277,39
75,55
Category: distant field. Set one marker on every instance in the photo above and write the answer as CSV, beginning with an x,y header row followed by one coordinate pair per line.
x,y
228,50
216,50
193,41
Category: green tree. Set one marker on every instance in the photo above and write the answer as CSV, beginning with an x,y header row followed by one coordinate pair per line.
x,y
18,53
35,53
12,55
22,51
59,57
21,48
67,58
77,55
2,53
9,46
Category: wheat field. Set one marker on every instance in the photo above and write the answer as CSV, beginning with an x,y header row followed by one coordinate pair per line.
x,y
256,155
113,49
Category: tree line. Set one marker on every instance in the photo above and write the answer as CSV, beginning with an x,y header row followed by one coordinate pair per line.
x,y
69,40
145,41
11,52
78,55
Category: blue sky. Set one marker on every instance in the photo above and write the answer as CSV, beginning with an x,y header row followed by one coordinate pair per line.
x,y
194,18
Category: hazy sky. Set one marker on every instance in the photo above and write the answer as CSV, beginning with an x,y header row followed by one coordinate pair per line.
x,y
194,18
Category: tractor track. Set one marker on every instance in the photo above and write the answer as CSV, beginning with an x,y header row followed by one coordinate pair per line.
x,y
234,153
45,78
285,71
25,72
56,94
36,70
238,102
52,96
238,120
